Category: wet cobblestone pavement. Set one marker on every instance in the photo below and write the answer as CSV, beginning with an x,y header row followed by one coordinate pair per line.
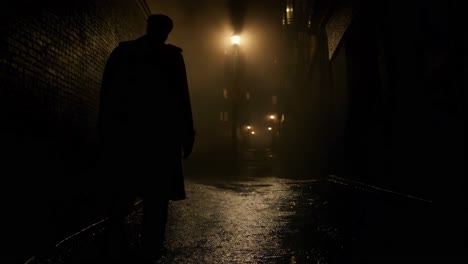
x,y
255,217
240,222
248,221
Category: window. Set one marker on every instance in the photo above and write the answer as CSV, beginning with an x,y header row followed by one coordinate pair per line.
x,y
223,116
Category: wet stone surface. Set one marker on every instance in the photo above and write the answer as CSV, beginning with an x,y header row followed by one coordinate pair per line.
x,y
255,217
253,220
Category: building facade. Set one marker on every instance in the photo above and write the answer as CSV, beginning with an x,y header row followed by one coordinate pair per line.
x,y
374,88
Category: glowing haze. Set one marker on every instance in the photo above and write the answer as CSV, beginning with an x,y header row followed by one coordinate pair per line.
x,y
203,29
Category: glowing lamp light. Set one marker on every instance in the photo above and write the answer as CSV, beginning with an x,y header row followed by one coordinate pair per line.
x,y
249,127
235,40
272,117
270,128
253,132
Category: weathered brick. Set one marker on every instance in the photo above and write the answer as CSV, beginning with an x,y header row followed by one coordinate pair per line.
x,y
52,57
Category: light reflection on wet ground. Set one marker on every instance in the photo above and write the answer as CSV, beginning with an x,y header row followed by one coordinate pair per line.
x,y
255,217
235,222
252,217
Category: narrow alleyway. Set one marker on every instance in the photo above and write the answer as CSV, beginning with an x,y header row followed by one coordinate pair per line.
x,y
365,101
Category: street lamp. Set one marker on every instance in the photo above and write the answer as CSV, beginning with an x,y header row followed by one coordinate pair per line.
x,y
235,40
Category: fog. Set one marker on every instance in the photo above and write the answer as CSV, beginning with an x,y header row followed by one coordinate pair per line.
x,y
203,30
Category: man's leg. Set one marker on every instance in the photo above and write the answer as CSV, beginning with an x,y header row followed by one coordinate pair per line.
x,y
121,205
155,210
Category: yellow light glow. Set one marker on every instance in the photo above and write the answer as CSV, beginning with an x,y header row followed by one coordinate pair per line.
x,y
270,128
272,117
253,132
249,127
235,40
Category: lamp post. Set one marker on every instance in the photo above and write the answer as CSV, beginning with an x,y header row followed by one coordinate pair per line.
x,y
235,41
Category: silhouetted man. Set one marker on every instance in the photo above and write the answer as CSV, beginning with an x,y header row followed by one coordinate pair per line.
x,y
146,129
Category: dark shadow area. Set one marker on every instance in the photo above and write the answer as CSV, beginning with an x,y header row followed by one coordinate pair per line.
x,y
334,127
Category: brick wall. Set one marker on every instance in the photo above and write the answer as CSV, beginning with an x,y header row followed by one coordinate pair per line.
x,y
52,59
52,56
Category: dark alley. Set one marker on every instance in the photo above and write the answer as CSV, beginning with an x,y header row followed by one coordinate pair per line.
x,y
232,131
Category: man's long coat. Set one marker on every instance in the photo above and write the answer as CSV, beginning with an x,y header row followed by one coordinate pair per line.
x,y
145,116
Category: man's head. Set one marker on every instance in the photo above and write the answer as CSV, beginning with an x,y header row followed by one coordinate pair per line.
x,y
158,27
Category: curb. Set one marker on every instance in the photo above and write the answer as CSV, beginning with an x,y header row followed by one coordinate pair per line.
x,y
368,187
